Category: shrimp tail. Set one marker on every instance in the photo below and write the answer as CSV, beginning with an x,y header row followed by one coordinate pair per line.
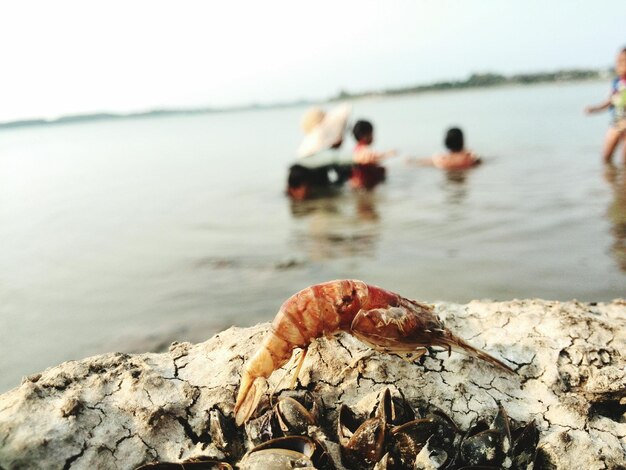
x,y
451,341
250,392
273,353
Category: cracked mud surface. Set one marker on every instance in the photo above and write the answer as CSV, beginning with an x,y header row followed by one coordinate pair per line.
x,y
120,411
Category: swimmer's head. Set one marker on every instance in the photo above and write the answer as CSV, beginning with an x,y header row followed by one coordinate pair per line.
x,y
363,132
454,140
620,63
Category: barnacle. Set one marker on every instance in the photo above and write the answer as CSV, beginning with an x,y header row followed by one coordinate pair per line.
x,y
393,435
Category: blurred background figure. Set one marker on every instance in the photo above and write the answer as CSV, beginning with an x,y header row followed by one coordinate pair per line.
x,y
320,168
617,104
367,171
457,158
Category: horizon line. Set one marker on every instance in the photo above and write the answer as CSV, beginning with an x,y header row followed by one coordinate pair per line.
x,y
475,80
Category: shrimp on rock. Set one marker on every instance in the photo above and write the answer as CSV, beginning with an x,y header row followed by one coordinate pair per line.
x,y
381,319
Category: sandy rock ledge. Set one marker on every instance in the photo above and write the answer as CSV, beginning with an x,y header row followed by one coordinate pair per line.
x,y
121,411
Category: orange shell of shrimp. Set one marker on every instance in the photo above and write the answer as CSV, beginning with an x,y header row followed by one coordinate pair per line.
x,y
319,310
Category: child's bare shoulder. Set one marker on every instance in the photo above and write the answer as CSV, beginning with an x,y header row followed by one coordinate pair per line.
x,y
456,160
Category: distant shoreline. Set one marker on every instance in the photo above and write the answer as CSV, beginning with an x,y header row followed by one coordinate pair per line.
x,y
476,80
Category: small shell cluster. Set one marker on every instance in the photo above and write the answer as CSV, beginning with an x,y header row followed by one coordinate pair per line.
x,y
393,435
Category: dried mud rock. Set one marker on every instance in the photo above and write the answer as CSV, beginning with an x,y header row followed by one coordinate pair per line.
x,y
120,411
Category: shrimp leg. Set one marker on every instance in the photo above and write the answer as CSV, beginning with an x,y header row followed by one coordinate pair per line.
x,y
294,380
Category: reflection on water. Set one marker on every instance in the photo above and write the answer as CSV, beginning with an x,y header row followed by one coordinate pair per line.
x,y
616,213
308,207
366,206
455,187
349,223
336,227
215,264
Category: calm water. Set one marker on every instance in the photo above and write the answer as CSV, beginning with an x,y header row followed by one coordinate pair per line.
x,y
125,235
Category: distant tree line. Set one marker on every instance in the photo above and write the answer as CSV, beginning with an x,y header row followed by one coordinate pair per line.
x,y
477,80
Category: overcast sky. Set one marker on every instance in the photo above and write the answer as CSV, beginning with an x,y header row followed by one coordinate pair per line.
x,y
63,57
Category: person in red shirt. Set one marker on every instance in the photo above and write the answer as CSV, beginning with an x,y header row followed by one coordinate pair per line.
x,y
367,171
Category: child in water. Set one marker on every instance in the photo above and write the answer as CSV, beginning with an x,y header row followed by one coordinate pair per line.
x,y
458,158
367,171
617,103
